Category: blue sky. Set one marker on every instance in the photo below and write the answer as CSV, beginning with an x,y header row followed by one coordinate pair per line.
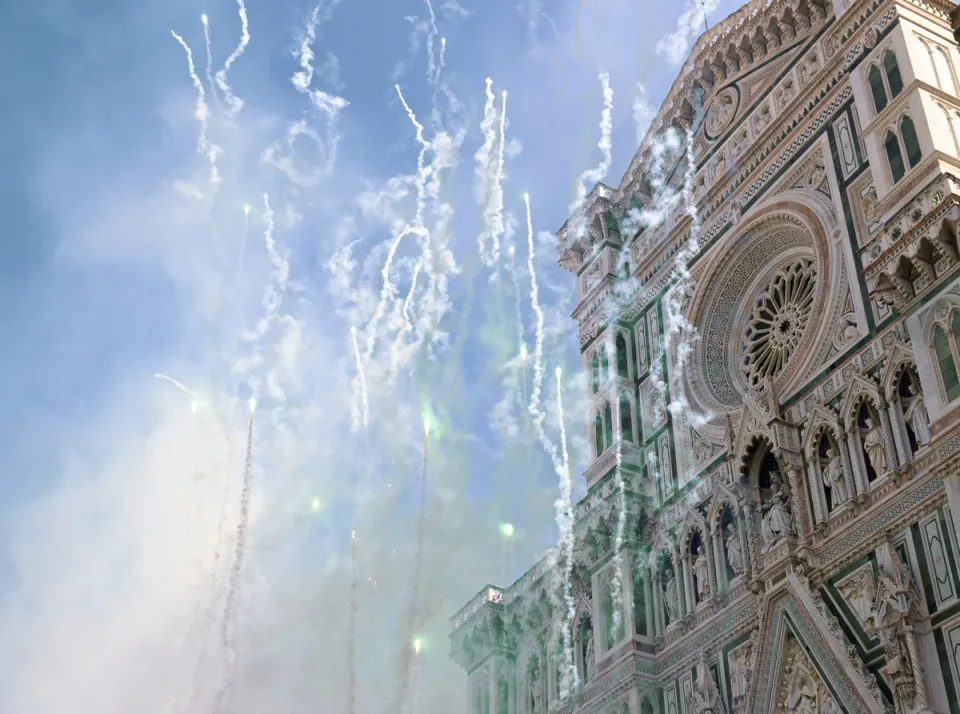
x,y
120,261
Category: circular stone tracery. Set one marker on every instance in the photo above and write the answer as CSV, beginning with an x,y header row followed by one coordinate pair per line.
x,y
744,309
778,322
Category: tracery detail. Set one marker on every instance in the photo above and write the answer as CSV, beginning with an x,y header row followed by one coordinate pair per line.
x,y
778,322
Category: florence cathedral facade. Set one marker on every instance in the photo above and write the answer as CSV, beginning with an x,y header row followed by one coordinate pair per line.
x,y
797,550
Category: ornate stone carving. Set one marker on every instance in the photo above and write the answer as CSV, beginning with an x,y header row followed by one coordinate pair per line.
x,y
777,520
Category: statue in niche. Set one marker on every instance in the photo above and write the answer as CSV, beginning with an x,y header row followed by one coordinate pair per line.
x,y
536,691
916,416
777,521
701,574
734,552
832,473
671,594
873,446
739,674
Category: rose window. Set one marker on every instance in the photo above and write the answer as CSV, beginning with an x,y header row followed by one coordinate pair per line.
x,y
778,322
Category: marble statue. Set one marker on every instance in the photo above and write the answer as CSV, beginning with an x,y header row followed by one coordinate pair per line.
x,y
832,472
734,551
777,520
873,445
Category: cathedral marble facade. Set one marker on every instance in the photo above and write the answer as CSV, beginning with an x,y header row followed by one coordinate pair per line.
x,y
796,549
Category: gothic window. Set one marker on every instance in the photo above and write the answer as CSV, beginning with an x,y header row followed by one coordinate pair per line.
x,y
910,141
912,409
623,362
604,365
894,156
877,89
613,627
948,356
892,69
699,569
778,321
639,603
585,649
826,454
595,367
607,425
626,417
503,696
482,699
598,434
646,707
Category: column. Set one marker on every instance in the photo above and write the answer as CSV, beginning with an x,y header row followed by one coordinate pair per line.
x,y
710,543
681,585
659,625
816,488
888,440
853,485
750,514
719,559
899,440
859,469
740,521
690,601
648,604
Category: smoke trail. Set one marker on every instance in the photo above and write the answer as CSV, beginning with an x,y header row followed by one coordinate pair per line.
x,y
236,104
496,204
616,584
589,178
569,679
404,673
420,182
352,630
202,113
228,626
484,157
443,54
407,325
189,392
564,510
364,406
243,240
209,68
432,72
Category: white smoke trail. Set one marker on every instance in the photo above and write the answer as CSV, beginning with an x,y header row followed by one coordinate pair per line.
x,y
388,290
484,157
407,324
202,113
432,72
236,104
443,55
423,171
243,240
564,509
569,678
209,68
678,328
496,204
229,624
589,178
179,385
413,615
364,406
352,627
616,584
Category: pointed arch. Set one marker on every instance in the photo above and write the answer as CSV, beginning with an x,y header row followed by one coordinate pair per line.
x,y
623,356
892,69
894,156
877,89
